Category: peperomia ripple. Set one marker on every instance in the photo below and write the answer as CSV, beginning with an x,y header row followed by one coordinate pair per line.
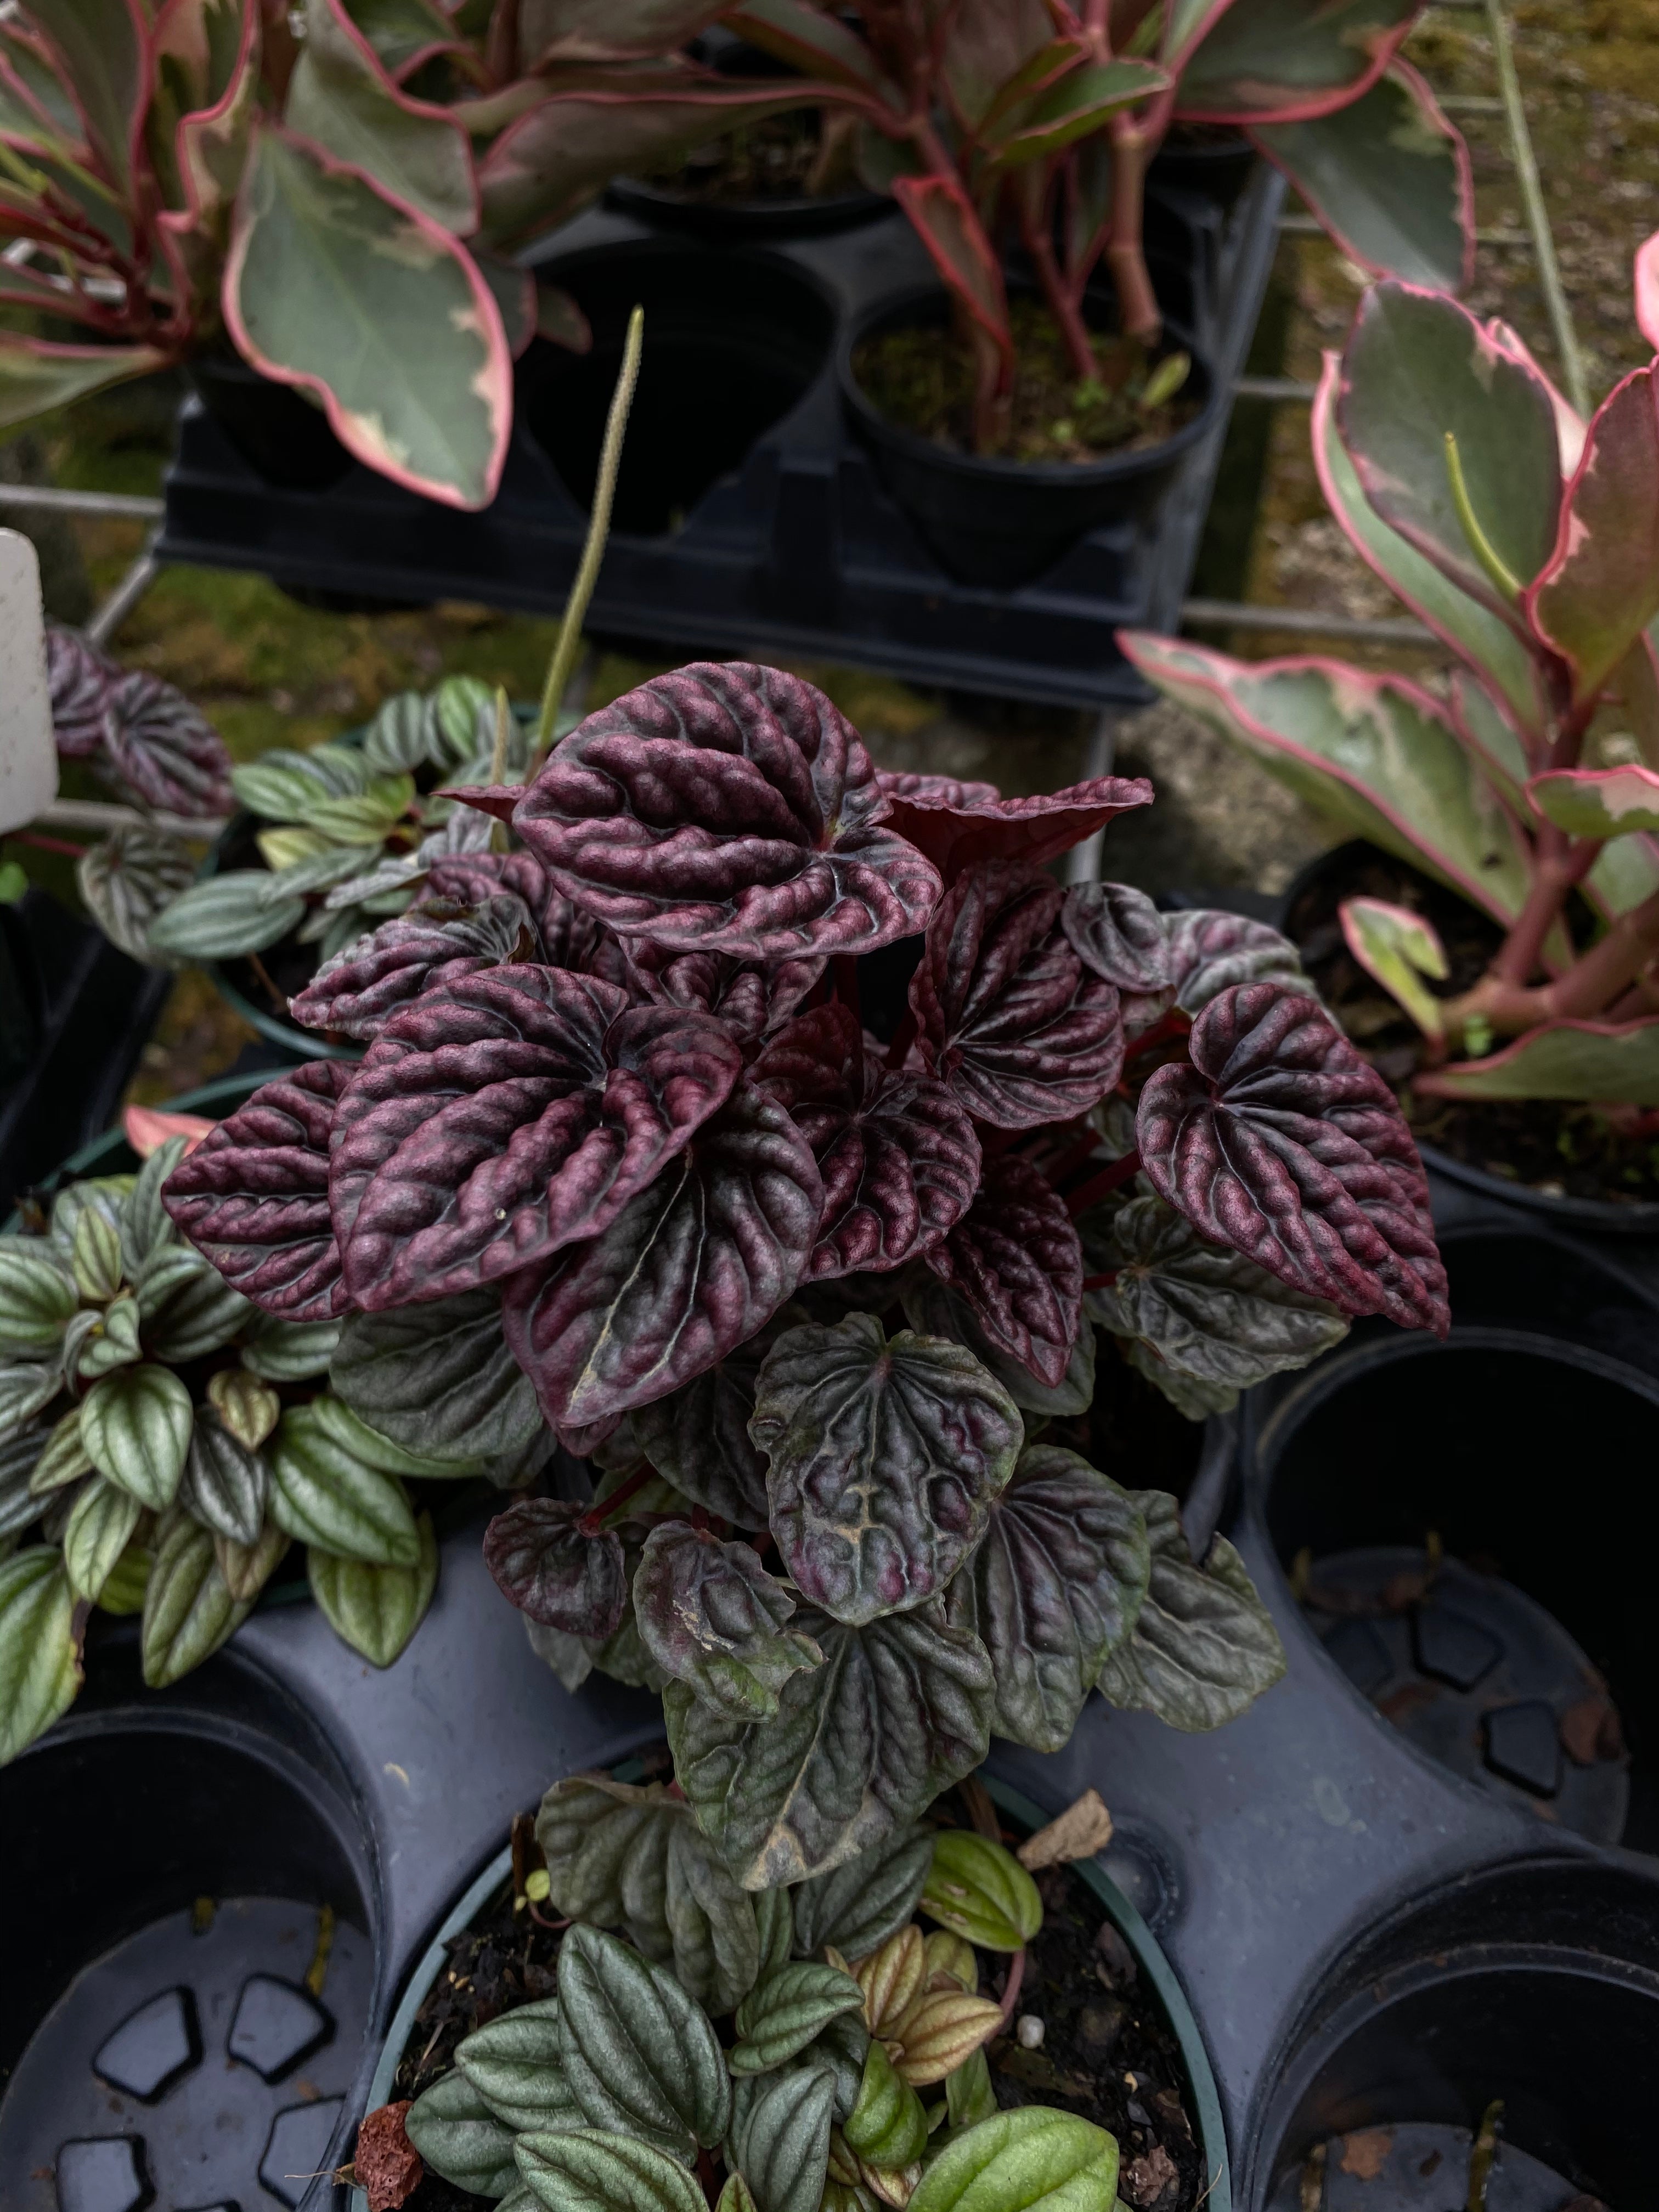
x,y
1528,540
805,1276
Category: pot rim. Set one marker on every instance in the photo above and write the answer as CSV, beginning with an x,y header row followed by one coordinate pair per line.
x,y
1055,475
1149,1957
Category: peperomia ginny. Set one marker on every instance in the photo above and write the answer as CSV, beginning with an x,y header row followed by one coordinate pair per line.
x,y
807,1278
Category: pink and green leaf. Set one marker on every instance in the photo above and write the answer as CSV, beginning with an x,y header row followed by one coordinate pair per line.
x,y
1398,948
335,285
1589,1061
1075,108
102,46
1647,289
1601,589
1417,369
1284,61
1376,752
811,40
404,32
989,42
554,33
1597,802
949,227
1388,176
36,375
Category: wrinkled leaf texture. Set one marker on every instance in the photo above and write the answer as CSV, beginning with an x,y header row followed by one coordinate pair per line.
x,y
1015,1261
557,1570
958,824
711,1616
357,992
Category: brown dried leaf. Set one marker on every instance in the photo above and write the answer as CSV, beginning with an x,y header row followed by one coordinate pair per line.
x,y
1084,1828
1144,2179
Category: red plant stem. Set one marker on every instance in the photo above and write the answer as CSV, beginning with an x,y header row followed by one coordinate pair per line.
x,y
1037,232
47,844
1101,1282
1167,1027
1558,865
600,1512
903,1037
1593,982
1011,1987
1100,1186
1074,1156
708,2177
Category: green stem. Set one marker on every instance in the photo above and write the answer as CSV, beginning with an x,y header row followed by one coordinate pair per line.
x,y
598,528
1499,571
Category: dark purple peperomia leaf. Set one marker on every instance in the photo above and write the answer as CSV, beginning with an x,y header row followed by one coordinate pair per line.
x,y
1119,936
1211,950
254,1195
690,1269
165,750
1280,1141
712,1617
1009,1016
570,938
934,790
1016,1260
557,1568
1057,1585
727,808
898,1155
750,997
957,831
514,1113
698,1436
885,1458
434,945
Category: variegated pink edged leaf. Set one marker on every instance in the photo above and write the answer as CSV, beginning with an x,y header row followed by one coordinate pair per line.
x,y
712,1617
1016,1260
146,1129
1378,753
1646,274
357,992
1280,1141
1601,588
750,997
1597,802
1210,949
690,1269
1009,1016
1416,368
556,1569
1488,642
883,1459
946,223
1590,1061
954,832
516,1112
553,33
1282,61
898,1155
254,1195
1388,176
727,808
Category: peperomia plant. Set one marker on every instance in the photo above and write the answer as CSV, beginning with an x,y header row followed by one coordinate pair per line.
x,y
818,2051
162,1442
1033,120
337,192
352,835
1529,542
807,1277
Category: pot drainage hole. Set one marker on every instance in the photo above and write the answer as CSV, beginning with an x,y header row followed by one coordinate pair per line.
x,y
201,2065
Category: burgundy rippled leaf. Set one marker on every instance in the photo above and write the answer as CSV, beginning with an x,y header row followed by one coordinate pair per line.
x,y
570,937
434,945
1016,1261
165,750
254,1195
898,1155
884,1458
958,824
1280,1141
1211,950
712,1617
514,1113
750,997
557,1569
1010,1017
79,679
727,808
1057,1585
1119,936
690,1269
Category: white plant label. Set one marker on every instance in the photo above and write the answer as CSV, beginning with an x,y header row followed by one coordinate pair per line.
x,y
28,755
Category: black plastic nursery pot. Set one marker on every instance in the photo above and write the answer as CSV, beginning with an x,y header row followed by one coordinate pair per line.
x,y
284,437
753,515
76,1014
1166,1994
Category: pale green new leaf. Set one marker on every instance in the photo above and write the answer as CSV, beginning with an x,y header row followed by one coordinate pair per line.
x,y
376,1609
136,1426
980,1892
95,1258
97,1344
1398,949
39,1658
323,1495
1031,2157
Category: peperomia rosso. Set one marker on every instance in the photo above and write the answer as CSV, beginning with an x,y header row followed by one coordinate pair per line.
x,y
822,2049
824,1286
1529,541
